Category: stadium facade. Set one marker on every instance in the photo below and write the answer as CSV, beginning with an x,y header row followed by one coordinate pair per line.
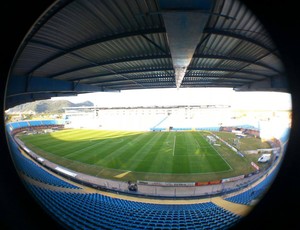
x,y
155,118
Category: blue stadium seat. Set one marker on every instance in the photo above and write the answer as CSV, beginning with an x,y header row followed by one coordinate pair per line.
x,y
91,211
32,170
255,192
35,123
76,210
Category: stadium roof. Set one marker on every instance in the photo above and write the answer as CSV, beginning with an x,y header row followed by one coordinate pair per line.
x,y
111,45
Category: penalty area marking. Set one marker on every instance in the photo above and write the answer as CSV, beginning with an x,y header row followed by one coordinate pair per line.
x,y
122,174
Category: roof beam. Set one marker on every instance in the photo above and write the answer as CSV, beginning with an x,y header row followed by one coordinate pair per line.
x,y
237,59
162,56
167,85
188,79
140,70
154,44
111,62
166,79
184,22
211,85
275,83
228,33
19,85
121,75
89,43
160,69
146,85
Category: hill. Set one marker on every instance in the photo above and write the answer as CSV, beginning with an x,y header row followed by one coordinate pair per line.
x,y
47,106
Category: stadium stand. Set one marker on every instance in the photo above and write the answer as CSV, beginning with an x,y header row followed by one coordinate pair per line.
x,y
208,128
76,207
82,211
156,128
35,123
32,170
254,193
92,211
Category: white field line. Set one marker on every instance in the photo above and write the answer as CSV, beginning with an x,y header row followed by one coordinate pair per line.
x,y
202,147
218,153
174,145
197,142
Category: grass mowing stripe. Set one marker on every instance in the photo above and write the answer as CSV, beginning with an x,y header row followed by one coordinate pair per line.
x,y
88,146
40,139
68,136
49,144
58,144
144,155
84,142
98,150
136,151
116,150
161,159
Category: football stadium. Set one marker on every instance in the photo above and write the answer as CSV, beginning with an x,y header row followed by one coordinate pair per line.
x,y
200,164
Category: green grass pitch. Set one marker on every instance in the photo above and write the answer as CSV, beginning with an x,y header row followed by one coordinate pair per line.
x,y
110,153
